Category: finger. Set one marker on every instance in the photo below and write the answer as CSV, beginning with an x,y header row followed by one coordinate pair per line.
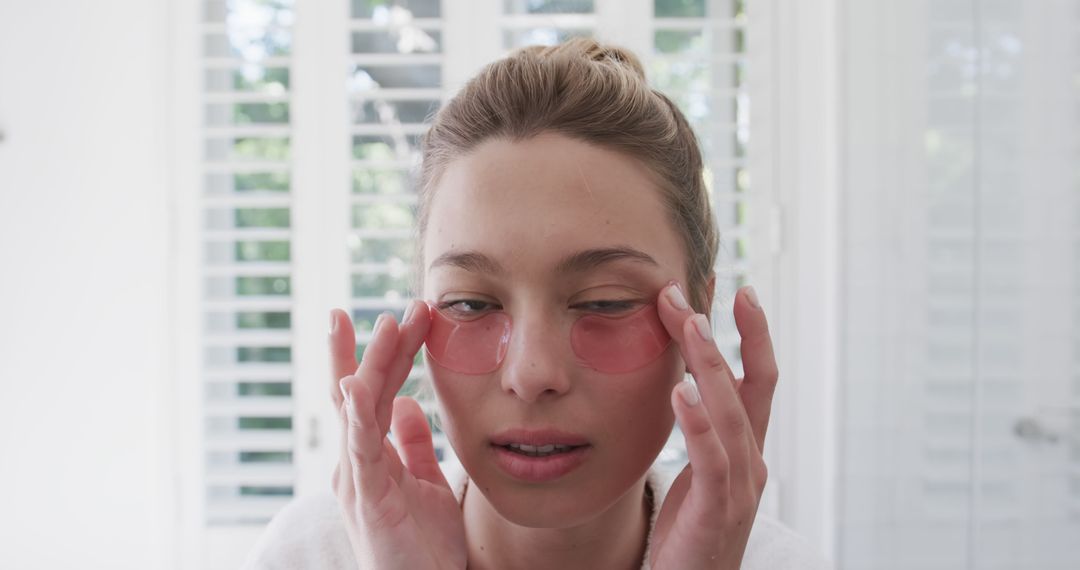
x,y
411,333
376,368
711,483
715,382
674,310
342,473
759,363
343,478
343,470
396,468
414,439
370,470
342,351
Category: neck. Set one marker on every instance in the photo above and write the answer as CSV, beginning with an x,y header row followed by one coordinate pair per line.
x,y
614,539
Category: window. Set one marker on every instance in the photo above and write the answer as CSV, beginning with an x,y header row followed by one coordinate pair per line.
x,y
247,276
307,198
961,391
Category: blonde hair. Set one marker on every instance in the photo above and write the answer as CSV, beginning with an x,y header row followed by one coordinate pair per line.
x,y
594,93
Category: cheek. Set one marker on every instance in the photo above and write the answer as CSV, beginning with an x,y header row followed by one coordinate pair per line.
x,y
620,344
658,379
638,405
633,407
458,396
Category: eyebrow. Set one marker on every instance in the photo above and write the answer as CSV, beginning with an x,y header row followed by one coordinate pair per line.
x,y
577,262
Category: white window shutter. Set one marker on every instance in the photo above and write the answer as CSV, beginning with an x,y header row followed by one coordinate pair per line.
x,y
286,238
397,55
961,406
698,56
247,269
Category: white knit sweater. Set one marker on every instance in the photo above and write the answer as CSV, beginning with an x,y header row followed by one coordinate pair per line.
x,y
309,533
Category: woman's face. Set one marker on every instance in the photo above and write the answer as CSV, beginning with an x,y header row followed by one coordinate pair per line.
x,y
502,219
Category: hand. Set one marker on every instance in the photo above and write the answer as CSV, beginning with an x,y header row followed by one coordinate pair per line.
x,y
706,518
398,514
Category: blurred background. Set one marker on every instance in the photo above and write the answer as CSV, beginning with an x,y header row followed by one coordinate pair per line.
x,y
187,188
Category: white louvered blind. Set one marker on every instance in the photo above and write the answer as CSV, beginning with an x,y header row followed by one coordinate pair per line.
x,y
1025,489
247,270
962,394
271,201
395,84
699,61
526,22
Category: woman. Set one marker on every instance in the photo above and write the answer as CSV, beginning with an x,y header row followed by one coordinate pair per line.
x,y
565,256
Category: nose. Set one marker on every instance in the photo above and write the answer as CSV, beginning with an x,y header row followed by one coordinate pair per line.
x,y
536,362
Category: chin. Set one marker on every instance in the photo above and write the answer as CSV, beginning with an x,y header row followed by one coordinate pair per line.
x,y
570,501
550,506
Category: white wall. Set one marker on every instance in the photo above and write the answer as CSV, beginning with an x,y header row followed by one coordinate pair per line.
x,y
84,285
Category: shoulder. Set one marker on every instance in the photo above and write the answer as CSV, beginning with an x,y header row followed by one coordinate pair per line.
x,y
771,546
310,532
774,546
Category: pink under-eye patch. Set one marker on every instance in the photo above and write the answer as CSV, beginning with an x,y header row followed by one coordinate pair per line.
x,y
609,344
475,346
617,344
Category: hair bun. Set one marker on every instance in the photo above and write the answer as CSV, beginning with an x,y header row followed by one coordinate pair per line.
x,y
592,50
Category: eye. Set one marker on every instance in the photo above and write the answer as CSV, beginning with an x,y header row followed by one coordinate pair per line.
x,y
607,306
468,306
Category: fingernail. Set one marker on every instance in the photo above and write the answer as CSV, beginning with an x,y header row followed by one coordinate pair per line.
x,y
703,327
689,393
408,312
379,322
751,296
345,393
333,322
676,297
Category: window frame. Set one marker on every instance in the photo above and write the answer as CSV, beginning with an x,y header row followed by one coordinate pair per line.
x,y
794,89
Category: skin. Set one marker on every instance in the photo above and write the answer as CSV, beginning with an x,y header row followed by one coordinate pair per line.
x,y
526,205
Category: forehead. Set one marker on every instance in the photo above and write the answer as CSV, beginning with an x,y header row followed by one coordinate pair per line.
x,y
529,203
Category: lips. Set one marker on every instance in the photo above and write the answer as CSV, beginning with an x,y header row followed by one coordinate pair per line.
x,y
539,450
537,438
539,456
